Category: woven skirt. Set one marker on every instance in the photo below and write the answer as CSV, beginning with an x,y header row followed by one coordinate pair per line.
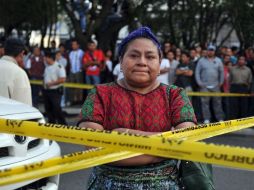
x,y
159,176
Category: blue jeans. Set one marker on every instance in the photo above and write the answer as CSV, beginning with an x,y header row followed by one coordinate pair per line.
x,y
92,79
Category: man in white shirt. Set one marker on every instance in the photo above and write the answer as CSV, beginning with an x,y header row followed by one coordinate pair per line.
x,y
54,77
63,62
173,65
164,70
76,74
14,82
118,74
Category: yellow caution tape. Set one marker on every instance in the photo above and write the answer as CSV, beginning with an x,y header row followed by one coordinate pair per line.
x,y
220,94
77,135
67,84
86,159
161,145
75,85
58,165
88,86
36,82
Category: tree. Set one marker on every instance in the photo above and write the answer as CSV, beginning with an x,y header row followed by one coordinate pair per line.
x,y
183,22
186,22
27,15
100,19
242,14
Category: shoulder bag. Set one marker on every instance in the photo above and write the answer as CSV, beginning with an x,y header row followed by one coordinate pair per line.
x,y
196,176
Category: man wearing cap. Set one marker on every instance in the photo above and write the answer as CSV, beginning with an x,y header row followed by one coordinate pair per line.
x,y
209,75
14,82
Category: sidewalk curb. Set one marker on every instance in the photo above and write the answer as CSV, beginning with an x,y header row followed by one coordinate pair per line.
x,y
72,110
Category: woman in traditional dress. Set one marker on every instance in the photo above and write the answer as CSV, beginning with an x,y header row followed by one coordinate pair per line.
x,y
139,104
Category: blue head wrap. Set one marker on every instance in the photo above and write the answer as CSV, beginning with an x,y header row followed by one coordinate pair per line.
x,y
140,32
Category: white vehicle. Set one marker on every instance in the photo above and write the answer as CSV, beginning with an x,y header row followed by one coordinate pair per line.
x,y
19,150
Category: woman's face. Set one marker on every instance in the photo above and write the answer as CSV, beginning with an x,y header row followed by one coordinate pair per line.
x,y
141,62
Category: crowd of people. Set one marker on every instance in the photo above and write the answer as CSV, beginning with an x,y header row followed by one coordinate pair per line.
x,y
142,93
204,69
212,69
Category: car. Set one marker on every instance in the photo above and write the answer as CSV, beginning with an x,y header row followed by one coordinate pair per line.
x,y
18,150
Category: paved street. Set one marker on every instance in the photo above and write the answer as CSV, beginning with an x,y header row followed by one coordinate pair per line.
x,y
225,178
74,180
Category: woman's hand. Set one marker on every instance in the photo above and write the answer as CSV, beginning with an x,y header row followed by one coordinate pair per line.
x,y
138,160
93,126
133,131
185,125
122,130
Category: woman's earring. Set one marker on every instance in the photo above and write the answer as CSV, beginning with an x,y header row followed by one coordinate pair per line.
x,y
158,74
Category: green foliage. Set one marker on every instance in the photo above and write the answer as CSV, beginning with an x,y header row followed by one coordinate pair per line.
x,y
27,14
242,14
184,22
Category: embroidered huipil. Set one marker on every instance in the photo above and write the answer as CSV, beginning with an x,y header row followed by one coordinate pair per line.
x,y
157,111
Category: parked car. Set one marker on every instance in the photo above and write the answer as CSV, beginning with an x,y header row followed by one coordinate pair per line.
x,y
17,150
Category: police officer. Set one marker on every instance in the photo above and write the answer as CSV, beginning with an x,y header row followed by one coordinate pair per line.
x,y
54,77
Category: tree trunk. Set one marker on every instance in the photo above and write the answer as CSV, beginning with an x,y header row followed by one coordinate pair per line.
x,y
200,26
43,31
49,34
82,39
7,30
227,36
171,25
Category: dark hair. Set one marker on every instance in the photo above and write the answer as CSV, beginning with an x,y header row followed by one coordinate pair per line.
x,y
142,32
75,40
13,47
185,53
241,55
61,45
166,42
91,41
171,51
35,47
50,54
234,48
127,45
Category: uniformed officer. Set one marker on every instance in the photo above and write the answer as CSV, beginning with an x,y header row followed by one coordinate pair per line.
x,y
54,77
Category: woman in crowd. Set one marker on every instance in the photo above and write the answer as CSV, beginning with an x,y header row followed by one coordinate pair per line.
x,y
138,104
